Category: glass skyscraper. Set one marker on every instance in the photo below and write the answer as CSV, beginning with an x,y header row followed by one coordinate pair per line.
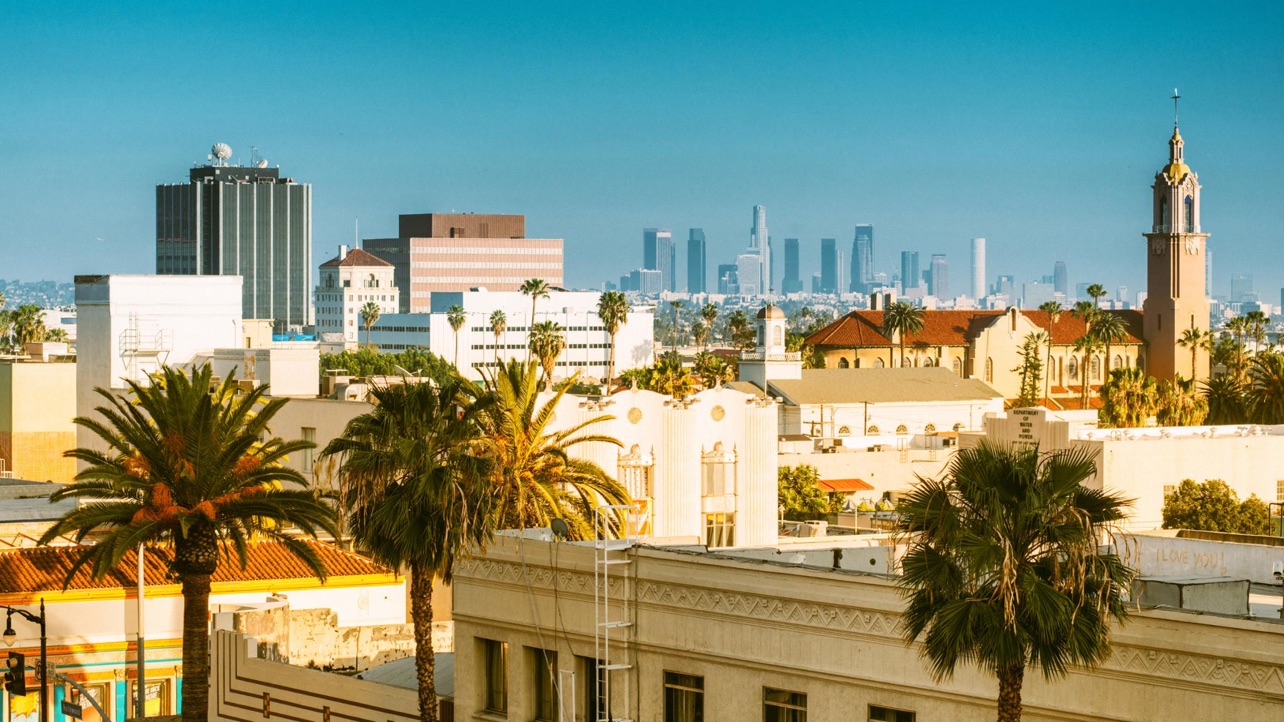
x,y
696,272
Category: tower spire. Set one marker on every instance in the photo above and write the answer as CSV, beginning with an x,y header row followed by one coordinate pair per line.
x,y
1176,98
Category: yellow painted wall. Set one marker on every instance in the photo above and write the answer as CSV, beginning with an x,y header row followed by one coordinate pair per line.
x,y
37,405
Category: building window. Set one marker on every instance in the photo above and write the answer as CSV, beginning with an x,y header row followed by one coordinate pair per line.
x,y
842,363
1119,362
902,429
544,664
887,714
959,427
99,692
719,472
957,365
878,363
1279,490
594,675
872,430
779,705
720,530
1073,370
989,370
844,430
1169,489
683,697
929,429
156,698
309,454
1190,214
1095,365
494,675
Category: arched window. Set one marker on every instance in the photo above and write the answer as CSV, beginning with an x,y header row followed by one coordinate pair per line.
x,y
1163,215
872,430
989,370
878,362
1189,214
959,427
1096,368
1119,362
1073,370
778,336
1141,362
842,363
958,366
902,429
844,431
927,362
929,429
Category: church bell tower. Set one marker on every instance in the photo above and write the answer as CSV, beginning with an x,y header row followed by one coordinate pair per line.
x,y
1176,296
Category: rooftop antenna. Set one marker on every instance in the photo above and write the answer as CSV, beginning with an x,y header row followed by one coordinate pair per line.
x,y
255,158
1176,98
356,232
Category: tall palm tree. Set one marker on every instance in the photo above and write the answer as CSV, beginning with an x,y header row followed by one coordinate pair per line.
x,y
534,475
740,330
416,493
900,320
1256,322
1128,398
28,325
676,305
456,317
1238,326
1086,346
671,378
1179,404
1097,291
1194,339
369,316
1054,311
536,288
1227,399
1004,569
699,333
198,471
1109,329
1266,388
547,343
498,324
613,310
710,314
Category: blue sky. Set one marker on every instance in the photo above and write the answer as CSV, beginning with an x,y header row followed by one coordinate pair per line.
x,y
1037,125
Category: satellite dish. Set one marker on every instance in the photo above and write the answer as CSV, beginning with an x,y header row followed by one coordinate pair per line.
x,y
262,163
221,151
560,530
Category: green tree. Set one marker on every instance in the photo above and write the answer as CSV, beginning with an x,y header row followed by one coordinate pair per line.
x,y
1109,329
740,331
613,310
498,324
1227,400
1214,506
800,495
711,370
1003,566
28,325
1179,404
1256,323
536,288
1128,398
699,334
1237,327
456,317
534,474
195,470
1097,291
709,313
1255,517
1030,369
416,493
547,343
670,377
1223,352
1266,388
1054,311
1194,339
1086,346
676,306
366,362
369,317
900,320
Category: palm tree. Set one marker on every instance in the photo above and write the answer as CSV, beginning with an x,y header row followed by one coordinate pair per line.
x,y
1054,311
901,319
613,310
369,316
1087,345
456,318
198,471
1194,339
676,305
415,492
1266,388
1128,398
1004,569
711,370
710,314
1109,329
740,330
28,325
547,343
534,475
1238,326
536,288
1256,322
498,323
1227,400
1179,404
670,378
1097,291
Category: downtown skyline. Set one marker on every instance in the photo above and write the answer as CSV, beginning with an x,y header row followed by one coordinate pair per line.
x,y
1038,129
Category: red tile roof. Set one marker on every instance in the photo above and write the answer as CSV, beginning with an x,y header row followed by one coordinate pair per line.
x,y
956,328
356,257
43,569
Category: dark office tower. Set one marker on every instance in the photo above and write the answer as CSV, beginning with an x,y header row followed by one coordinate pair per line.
x,y
1059,282
248,221
791,283
658,254
940,278
828,265
909,270
728,282
863,259
695,262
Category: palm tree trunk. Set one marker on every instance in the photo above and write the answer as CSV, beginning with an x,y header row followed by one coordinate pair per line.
x,y
610,365
1047,378
1010,680
456,350
421,616
196,647
530,325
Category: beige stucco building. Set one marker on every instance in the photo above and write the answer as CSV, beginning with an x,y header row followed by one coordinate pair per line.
x,y
37,405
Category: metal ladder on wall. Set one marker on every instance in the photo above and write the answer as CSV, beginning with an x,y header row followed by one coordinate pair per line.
x,y
611,613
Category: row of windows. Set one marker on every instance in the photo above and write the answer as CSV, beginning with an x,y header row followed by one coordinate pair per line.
x,y
683,693
492,250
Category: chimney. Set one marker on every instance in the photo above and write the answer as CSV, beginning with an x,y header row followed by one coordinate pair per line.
x,y
343,252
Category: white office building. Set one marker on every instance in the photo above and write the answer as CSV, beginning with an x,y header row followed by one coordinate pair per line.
x,y
348,282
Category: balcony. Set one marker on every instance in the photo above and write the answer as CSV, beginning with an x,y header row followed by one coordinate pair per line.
x,y
764,356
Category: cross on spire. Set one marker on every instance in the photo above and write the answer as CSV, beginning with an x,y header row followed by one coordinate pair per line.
x,y
1176,98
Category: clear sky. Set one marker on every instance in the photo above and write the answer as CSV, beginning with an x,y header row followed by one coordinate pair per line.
x,y
1037,125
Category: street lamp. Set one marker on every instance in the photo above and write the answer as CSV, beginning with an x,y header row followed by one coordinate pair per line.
x,y
11,636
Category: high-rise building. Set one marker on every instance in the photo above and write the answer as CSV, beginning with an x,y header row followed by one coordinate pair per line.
x,y
759,243
728,283
828,265
349,281
248,221
696,274
1242,288
458,251
939,285
862,258
841,285
1060,282
791,283
816,284
909,270
659,254
978,268
646,281
1005,285
1176,297
749,273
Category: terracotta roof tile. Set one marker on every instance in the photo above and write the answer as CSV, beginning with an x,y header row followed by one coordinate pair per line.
x,y
955,328
356,257
43,569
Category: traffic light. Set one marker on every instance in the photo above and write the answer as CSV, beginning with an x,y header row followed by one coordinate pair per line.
x,y
15,674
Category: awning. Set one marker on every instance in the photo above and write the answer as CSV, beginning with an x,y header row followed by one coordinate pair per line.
x,y
845,486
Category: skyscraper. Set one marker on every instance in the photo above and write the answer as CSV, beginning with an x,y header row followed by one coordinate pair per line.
x,y
248,221
759,243
791,283
909,271
1242,288
862,258
1060,282
749,273
978,268
696,274
658,254
939,285
728,284
828,265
